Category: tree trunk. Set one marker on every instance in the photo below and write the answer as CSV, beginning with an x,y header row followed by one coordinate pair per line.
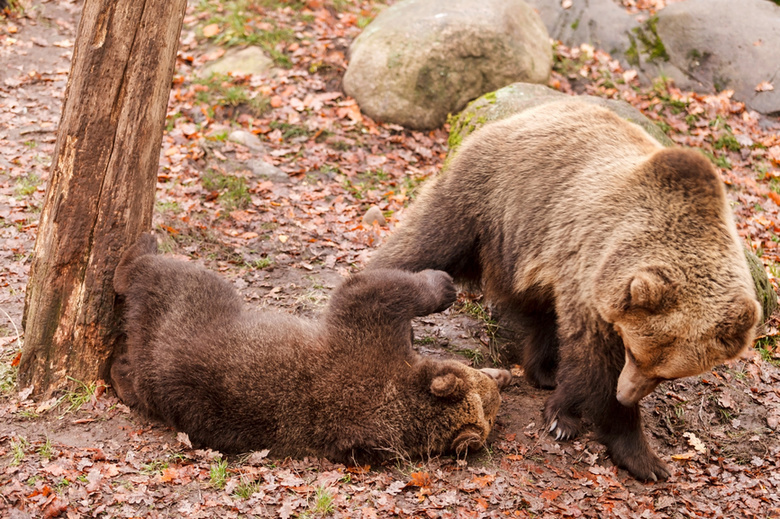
x,y
101,191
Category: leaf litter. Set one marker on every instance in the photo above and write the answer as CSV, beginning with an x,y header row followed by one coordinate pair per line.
x,y
279,210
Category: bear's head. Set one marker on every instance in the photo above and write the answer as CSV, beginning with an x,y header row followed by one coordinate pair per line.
x,y
673,327
466,401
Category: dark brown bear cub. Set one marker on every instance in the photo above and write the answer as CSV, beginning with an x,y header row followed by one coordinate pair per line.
x,y
617,261
349,385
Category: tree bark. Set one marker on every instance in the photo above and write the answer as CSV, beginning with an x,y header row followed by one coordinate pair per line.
x,y
100,195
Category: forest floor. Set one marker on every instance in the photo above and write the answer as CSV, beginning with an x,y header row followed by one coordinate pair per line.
x,y
281,217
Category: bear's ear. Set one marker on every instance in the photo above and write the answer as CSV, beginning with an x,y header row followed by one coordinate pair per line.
x,y
739,325
469,437
449,386
649,289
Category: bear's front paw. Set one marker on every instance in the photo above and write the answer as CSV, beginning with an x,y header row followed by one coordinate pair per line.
x,y
561,424
637,457
442,288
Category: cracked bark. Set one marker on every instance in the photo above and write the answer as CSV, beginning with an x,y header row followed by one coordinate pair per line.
x,y
101,189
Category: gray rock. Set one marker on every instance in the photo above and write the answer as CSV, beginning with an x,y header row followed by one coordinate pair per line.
x,y
248,139
721,44
374,214
422,59
249,60
601,23
263,169
518,97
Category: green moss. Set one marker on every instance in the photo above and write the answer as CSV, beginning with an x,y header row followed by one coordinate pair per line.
x,y
632,53
764,291
575,24
647,37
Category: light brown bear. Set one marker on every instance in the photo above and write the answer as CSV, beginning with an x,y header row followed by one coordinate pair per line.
x,y
349,386
617,260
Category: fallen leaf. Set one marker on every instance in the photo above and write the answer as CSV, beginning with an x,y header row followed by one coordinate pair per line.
x,y
168,474
689,455
420,479
765,86
211,30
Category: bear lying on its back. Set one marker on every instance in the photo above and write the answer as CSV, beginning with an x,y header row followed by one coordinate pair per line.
x,y
617,261
348,385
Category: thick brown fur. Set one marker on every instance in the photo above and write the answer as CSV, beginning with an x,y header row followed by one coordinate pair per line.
x,y
349,385
615,259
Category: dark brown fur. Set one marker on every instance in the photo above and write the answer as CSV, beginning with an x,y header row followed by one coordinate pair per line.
x,y
616,260
348,385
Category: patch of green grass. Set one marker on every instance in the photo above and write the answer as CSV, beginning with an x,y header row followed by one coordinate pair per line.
x,y
262,263
245,489
424,340
218,473
727,141
8,375
61,485
289,131
18,447
323,502
45,451
171,206
233,191
154,467
241,22
720,161
767,348
661,90
366,181
479,312
223,90
725,415
475,356
77,397
26,185
170,121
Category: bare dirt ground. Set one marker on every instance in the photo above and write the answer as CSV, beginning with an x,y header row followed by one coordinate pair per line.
x,y
285,239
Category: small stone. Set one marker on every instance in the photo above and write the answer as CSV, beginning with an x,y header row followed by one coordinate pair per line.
x,y
249,60
263,169
374,214
248,139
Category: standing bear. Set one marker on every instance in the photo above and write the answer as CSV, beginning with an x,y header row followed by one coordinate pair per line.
x,y
348,386
617,260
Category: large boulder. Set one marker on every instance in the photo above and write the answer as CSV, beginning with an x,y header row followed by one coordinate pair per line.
x,y
518,97
420,60
601,23
704,45
721,44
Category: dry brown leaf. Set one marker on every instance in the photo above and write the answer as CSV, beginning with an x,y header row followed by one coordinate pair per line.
x,y
211,30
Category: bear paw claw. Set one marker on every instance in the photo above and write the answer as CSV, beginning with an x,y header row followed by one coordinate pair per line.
x,y
564,427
